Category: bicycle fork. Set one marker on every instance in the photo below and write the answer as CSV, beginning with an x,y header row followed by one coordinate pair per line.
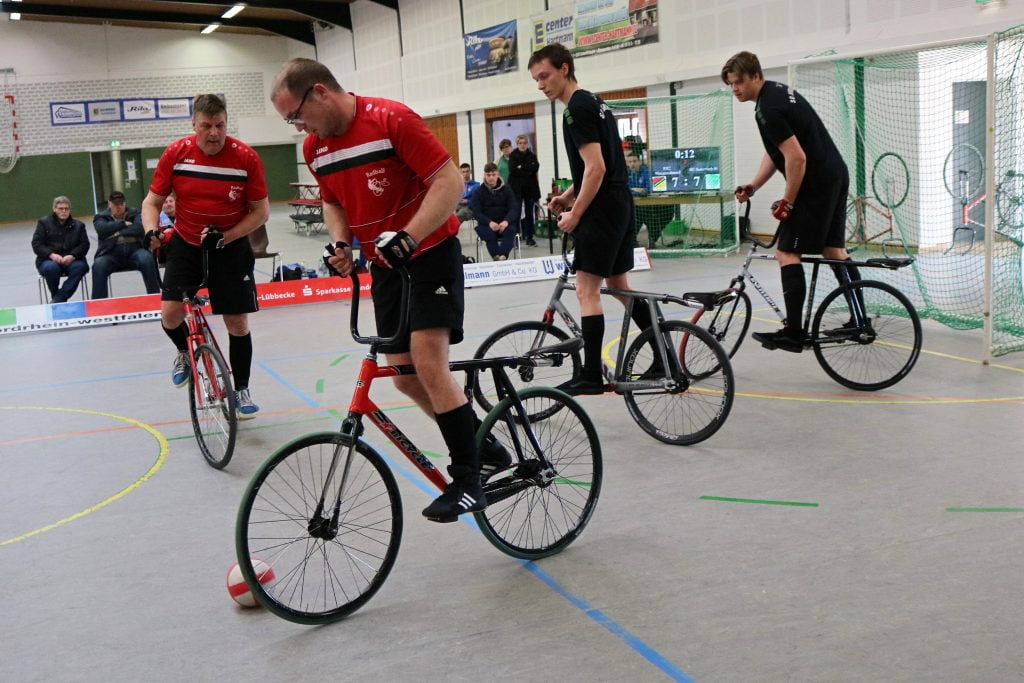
x,y
320,526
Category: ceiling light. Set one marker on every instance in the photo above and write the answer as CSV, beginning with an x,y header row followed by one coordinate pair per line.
x,y
16,16
211,28
233,11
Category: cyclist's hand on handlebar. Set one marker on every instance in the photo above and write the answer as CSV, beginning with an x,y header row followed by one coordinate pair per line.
x,y
782,210
212,238
557,204
338,258
743,192
396,247
567,222
152,240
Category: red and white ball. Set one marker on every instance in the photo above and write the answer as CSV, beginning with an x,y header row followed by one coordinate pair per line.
x,y
237,587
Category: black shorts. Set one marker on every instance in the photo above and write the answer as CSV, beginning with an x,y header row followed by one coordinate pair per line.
x,y
604,236
818,220
230,280
436,295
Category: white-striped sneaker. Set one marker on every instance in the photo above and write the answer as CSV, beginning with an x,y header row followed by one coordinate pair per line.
x,y
461,495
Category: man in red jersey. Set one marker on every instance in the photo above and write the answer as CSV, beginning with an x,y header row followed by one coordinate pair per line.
x,y
219,183
380,170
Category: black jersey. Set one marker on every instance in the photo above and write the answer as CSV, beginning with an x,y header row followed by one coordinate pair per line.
x,y
782,113
588,119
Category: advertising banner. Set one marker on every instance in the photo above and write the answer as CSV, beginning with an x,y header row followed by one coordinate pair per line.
x,y
554,26
138,110
491,51
177,108
104,112
589,27
67,113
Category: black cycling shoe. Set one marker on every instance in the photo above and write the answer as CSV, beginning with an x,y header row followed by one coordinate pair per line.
x,y
844,330
785,339
582,386
493,458
464,494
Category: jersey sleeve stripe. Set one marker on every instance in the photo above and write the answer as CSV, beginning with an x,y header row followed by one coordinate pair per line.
x,y
351,157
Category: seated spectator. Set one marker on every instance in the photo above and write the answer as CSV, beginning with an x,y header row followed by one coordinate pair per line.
x,y
497,213
61,243
120,233
166,225
654,217
464,213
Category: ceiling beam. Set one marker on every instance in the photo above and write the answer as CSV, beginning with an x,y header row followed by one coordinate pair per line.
x,y
337,13
297,30
390,4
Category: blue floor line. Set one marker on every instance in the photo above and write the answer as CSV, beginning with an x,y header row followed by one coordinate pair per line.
x,y
595,615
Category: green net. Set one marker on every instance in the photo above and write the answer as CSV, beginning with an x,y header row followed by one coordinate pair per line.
x,y
911,126
684,203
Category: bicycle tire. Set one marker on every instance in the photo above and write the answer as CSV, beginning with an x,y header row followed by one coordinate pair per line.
x,y
515,340
690,414
1010,201
894,169
274,521
533,513
723,324
974,162
871,359
214,410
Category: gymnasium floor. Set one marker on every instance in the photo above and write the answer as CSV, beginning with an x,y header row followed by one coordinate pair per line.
x,y
115,536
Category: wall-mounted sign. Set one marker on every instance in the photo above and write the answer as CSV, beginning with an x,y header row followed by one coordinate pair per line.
x,y
137,110
67,113
103,112
491,51
117,111
178,108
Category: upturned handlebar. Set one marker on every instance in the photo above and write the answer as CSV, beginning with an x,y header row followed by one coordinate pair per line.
x,y
403,320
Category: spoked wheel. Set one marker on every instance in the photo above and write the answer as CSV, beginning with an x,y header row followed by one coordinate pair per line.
x,y
541,505
515,340
1010,202
890,180
728,323
211,402
963,172
327,562
697,404
873,356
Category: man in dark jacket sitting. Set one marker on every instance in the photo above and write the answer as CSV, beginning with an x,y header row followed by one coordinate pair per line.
x,y
497,213
120,233
61,243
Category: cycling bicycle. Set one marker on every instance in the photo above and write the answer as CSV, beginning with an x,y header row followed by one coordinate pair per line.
x,y
868,225
866,334
324,511
963,174
677,384
211,395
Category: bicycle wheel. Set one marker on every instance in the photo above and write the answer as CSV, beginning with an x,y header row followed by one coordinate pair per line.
x,y
211,402
327,565
870,357
1010,201
541,506
698,405
515,340
890,180
963,172
728,324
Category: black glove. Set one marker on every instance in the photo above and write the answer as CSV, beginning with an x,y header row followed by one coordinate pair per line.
x,y
147,239
214,239
744,189
330,250
396,247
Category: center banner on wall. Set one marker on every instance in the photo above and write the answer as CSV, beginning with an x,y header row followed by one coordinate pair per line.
x,y
589,27
491,51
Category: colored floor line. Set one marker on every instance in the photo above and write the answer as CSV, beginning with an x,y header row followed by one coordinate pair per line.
x,y
637,645
984,509
157,464
756,501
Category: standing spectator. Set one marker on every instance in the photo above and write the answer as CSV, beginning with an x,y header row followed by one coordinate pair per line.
x,y
119,230
597,208
464,213
223,189
522,177
497,214
61,243
408,194
504,150
654,217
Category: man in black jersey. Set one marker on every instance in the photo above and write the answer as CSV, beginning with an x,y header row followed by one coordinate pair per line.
x,y
812,210
597,208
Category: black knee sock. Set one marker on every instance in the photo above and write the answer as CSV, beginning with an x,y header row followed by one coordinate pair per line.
x,y
460,437
178,335
240,352
593,337
793,291
853,274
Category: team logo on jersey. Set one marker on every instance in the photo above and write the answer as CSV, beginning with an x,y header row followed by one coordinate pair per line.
x,y
321,150
188,161
377,185
235,192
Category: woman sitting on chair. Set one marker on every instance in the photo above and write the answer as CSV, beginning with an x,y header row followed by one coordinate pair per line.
x,y
497,213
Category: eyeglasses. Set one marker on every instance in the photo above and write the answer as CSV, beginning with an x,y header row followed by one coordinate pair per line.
x,y
297,116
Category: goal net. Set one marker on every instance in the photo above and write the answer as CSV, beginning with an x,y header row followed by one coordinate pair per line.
x,y
9,146
911,126
682,150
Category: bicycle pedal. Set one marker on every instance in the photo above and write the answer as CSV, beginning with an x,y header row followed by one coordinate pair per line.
x,y
444,520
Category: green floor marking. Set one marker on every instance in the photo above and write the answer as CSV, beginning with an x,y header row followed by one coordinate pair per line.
x,y
760,502
320,386
339,359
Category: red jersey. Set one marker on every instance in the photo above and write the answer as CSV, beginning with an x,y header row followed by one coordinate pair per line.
x,y
376,170
209,190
